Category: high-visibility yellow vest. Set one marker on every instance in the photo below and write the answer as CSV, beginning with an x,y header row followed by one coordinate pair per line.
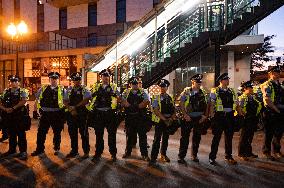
x,y
155,118
95,88
219,106
244,97
187,89
270,86
60,96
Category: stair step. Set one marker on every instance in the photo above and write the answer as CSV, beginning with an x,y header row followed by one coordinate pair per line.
x,y
247,16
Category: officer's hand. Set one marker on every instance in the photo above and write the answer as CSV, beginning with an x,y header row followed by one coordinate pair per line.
x,y
9,110
203,119
187,118
127,104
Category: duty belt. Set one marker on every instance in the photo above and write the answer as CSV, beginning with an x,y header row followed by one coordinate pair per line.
x,y
47,109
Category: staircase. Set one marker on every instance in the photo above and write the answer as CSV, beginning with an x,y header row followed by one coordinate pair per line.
x,y
189,34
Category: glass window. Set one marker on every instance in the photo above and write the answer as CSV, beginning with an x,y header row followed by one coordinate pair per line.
x,y
92,14
92,39
63,18
120,11
40,18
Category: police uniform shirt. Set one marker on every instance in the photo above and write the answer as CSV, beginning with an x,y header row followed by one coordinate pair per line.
x,y
87,93
144,94
187,92
250,101
213,98
37,95
155,103
104,87
23,94
268,92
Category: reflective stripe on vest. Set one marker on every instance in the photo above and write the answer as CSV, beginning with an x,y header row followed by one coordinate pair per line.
x,y
188,97
270,86
95,88
219,106
60,96
245,98
155,118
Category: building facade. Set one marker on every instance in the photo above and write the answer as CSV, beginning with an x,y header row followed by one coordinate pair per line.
x,y
63,36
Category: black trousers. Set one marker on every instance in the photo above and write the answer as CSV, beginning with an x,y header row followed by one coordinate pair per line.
x,y
12,123
55,120
76,123
5,132
160,133
136,124
273,131
17,137
196,137
247,133
102,120
223,122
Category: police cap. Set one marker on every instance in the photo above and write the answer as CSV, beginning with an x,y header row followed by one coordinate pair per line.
x,y
247,84
54,75
14,78
223,76
197,78
76,76
105,72
164,83
274,69
133,80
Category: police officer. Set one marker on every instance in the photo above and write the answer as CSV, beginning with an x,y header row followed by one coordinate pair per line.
x,y
163,115
273,98
135,101
251,108
12,104
75,101
103,106
195,111
51,106
223,105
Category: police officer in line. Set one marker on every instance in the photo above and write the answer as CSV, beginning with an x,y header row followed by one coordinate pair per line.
x,y
135,101
251,109
140,86
104,106
163,114
75,100
12,104
224,103
273,98
51,106
195,112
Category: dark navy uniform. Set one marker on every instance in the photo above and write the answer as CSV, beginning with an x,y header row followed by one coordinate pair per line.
x,y
225,101
251,108
77,116
272,126
13,121
135,119
50,104
164,103
195,106
103,107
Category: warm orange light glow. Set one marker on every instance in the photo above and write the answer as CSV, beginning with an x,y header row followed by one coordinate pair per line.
x,y
12,30
20,29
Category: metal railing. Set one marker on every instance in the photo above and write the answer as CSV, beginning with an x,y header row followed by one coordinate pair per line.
x,y
182,30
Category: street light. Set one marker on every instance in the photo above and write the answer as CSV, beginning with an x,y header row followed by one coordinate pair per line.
x,y
17,31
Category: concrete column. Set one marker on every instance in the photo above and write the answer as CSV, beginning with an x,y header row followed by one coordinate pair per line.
x,y
231,68
170,77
